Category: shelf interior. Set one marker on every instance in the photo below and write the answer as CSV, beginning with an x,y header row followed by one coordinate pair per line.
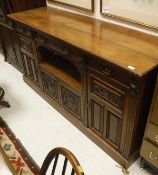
x,y
60,67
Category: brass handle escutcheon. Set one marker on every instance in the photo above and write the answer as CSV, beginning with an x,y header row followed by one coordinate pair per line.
x,y
153,157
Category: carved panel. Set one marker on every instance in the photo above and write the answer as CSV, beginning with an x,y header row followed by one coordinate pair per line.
x,y
50,86
34,70
96,118
112,127
30,68
26,65
108,93
70,101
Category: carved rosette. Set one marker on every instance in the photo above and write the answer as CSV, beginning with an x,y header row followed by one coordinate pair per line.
x,y
70,101
50,86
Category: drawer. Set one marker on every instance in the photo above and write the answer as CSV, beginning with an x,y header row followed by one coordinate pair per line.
x,y
69,52
22,30
150,153
105,69
106,91
26,46
152,133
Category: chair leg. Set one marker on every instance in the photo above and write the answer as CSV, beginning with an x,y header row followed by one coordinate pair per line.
x,y
3,103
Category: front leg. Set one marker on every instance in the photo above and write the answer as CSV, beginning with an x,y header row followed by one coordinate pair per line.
x,y
3,103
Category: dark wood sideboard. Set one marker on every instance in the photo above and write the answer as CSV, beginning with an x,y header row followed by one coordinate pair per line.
x,y
8,39
98,75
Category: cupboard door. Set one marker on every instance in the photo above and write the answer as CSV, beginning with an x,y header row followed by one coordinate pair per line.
x,y
107,109
105,123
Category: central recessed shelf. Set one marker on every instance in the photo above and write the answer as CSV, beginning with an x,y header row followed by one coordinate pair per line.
x,y
60,67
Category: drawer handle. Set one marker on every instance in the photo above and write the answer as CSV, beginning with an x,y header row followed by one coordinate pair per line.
x,y
156,138
66,51
152,157
106,71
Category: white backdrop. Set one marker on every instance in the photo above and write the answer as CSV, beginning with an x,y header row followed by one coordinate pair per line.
x,y
100,17
82,3
144,11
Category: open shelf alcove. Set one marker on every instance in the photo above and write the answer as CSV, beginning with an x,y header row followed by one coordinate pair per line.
x,y
61,80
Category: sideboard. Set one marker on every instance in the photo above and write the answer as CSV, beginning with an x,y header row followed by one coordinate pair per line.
x,y
98,75
8,38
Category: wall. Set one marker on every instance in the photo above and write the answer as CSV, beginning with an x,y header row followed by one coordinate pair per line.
x,y
97,15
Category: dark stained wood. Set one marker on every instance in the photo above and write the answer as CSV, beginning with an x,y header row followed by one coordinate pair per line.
x,y
8,39
26,4
118,45
1,42
82,70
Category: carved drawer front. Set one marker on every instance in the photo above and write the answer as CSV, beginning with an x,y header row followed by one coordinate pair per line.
x,y
26,46
64,49
50,85
30,68
150,153
105,123
71,102
109,93
152,133
111,72
23,30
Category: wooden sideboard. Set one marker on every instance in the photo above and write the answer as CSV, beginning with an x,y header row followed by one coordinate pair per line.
x,y
98,75
8,39
149,148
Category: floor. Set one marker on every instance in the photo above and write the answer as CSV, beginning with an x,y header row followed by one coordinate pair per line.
x,y
40,128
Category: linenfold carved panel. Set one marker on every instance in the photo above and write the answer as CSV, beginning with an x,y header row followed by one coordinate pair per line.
x,y
105,123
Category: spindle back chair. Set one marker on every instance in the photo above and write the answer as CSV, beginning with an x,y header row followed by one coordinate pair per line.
x,y
69,157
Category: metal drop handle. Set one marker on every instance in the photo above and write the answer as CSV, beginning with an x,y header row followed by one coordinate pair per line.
x,y
153,157
156,138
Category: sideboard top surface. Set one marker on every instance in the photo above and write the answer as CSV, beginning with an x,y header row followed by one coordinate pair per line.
x,y
121,46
